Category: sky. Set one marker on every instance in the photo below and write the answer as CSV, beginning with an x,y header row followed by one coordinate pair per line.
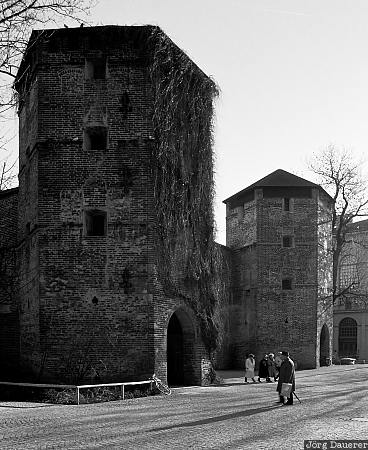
x,y
293,77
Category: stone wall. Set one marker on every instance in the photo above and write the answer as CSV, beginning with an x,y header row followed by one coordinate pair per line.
x,y
9,324
276,281
325,262
94,308
287,317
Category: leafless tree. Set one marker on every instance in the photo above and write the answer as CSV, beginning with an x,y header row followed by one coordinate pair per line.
x,y
17,19
341,176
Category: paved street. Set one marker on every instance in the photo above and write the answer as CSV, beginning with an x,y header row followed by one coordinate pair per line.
x,y
232,416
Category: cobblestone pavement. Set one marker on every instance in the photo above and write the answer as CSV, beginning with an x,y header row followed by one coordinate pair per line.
x,y
230,416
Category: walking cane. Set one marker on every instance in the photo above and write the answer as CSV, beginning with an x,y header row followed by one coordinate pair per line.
x,y
297,397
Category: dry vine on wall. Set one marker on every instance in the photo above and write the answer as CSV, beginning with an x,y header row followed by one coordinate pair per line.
x,y
189,261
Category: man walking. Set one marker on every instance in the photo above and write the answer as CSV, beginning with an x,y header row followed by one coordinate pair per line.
x,y
286,375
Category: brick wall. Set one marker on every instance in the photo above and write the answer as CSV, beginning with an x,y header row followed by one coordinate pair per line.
x,y
95,309
287,318
241,225
265,316
9,325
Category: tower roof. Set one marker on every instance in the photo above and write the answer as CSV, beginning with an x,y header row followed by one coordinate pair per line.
x,y
278,178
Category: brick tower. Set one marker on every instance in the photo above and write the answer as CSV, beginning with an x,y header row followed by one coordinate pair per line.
x,y
115,132
279,230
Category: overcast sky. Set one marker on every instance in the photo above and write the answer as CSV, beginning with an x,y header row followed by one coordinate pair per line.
x,y
293,76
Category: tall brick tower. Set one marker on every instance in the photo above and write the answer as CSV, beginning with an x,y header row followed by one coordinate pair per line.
x,y
115,167
279,229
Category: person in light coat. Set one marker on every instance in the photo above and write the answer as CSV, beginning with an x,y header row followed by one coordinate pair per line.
x,y
286,375
250,364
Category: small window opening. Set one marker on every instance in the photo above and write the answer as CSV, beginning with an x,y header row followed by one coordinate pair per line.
x,y
95,69
286,284
95,223
95,138
286,204
126,106
287,241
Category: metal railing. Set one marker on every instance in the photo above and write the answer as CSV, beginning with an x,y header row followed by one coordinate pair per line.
x,y
79,387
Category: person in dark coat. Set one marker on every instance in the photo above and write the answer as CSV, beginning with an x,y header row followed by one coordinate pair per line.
x,y
263,369
272,372
286,375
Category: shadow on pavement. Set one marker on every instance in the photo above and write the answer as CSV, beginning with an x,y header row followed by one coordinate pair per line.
x,y
245,413
23,405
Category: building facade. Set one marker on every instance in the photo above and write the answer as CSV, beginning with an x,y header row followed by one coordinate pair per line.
x,y
351,309
279,230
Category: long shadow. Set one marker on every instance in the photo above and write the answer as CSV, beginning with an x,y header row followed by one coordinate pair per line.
x,y
322,395
235,383
25,406
224,385
249,412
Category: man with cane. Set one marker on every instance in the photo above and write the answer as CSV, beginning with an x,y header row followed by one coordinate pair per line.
x,y
286,381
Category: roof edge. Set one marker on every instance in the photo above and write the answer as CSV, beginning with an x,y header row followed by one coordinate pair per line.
x,y
259,184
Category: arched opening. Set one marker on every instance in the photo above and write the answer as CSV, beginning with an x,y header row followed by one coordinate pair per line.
x,y
324,348
348,338
180,349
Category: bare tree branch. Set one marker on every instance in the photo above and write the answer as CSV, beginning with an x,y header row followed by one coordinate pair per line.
x,y
341,176
17,19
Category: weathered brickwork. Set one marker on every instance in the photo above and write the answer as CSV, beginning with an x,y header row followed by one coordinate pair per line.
x,y
9,326
91,305
280,269
324,264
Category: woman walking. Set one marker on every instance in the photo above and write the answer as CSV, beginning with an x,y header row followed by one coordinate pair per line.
x,y
250,364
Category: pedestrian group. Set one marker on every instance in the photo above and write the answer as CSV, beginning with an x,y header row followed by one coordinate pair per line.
x,y
278,368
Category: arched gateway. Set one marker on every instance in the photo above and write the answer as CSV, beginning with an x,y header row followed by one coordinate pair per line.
x,y
180,349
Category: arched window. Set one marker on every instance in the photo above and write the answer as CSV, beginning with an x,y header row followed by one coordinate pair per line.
x,y
348,338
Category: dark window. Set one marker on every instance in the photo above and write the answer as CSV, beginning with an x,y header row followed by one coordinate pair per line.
x,y
286,204
348,328
95,138
126,106
95,223
348,337
286,284
96,69
287,241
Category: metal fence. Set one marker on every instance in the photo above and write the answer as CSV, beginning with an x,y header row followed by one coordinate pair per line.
x,y
78,387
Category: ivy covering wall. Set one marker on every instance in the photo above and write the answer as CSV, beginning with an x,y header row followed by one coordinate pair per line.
x,y
189,262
